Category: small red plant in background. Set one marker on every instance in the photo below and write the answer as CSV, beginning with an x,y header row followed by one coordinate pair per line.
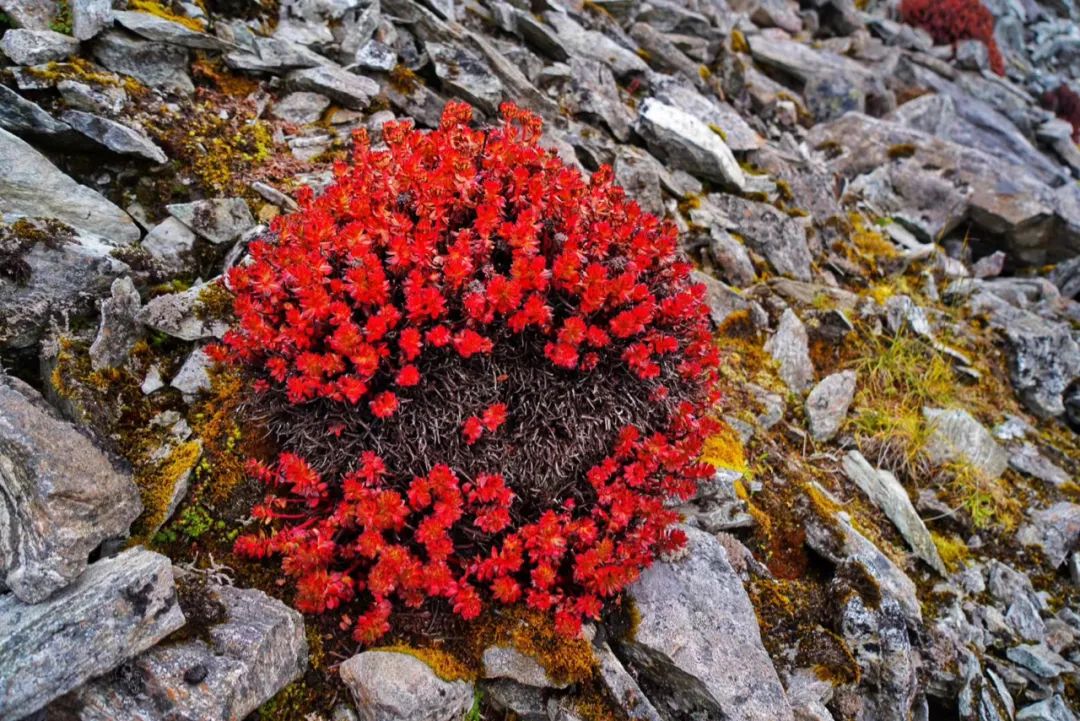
x,y
488,377
950,21
1064,102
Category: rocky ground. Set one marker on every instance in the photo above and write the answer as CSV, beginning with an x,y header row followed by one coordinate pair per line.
x,y
890,236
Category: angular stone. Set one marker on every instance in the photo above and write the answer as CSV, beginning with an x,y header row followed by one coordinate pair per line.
x,y
374,55
158,65
1055,529
115,136
466,75
89,17
351,90
698,642
776,235
638,173
679,93
835,539
118,331
171,243
688,144
300,107
254,649
159,29
32,186
34,47
1044,358
62,276
274,55
622,686
180,315
519,702
390,686
1052,709
118,608
1040,660
827,405
508,662
580,42
594,95
62,496
193,376
99,99
1029,461
789,347
887,494
23,117
218,220
956,436
30,14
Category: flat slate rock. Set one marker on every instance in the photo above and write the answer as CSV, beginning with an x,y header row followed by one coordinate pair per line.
x,y
61,496
256,649
391,686
114,136
118,608
163,30
698,641
218,220
32,186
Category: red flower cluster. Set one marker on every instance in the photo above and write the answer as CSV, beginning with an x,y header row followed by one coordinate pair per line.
x,y
1064,102
950,21
449,243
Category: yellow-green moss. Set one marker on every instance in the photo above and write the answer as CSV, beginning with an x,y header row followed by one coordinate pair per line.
x,y
952,549
718,130
443,664
725,450
156,8
738,42
902,150
157,482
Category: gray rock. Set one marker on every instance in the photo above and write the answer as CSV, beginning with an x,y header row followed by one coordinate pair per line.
x,y
158,65
30,14
63,274
374,55
34,47
159,29
25,118
595,96
466,75
1044,358
776,13
730,256
507,662
1055,530
351,90
1024,619
114,136
688,144
663,54
1052,709
679,93
887,494
193,376
580,42
806,64
622,686
274,55
256,649
1027,459
118,608
61,496
828,403
830,96
989,266
957,437
698,642
723,300
89,17
389,686
877,633
638,173
901,313
789,347
773,234
933,185
170,243
118,331
1040,660
524,703
835,539
300,107
32,186
218,220
98,99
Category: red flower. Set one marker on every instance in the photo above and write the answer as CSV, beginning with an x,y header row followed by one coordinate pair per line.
x,y
384,405
494,416
472,430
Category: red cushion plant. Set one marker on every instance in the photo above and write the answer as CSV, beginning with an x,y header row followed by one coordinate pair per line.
x,y
488,379
950,21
